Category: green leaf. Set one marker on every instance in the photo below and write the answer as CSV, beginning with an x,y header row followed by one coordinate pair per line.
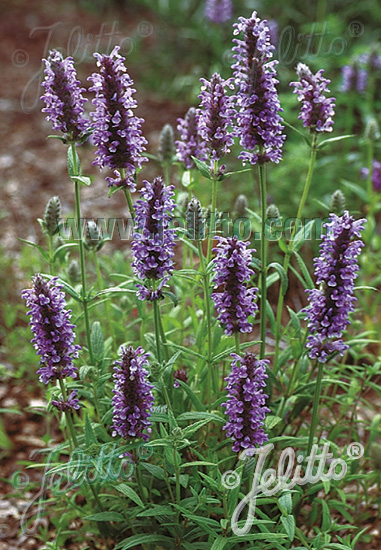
x,y
130,493
285,502
304,270
193,397
67,288
61,248
203,168
157,510
298,132
90,438
154,470
53,136
187,350
200,415
193,428
282,275
271,421
358,190
105,516
135,540
171,296
289,526
70,162
294,321
301,235
84,180
219,543
97,342
227,174
43,252
186,178
334,139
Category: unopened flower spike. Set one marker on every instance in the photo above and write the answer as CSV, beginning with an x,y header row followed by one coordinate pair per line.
x,y
52,216
117,131
63,98
53,333
167,149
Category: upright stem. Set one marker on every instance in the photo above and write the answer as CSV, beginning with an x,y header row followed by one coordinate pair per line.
x,y
81,254
100,285
208,321
51,262
315,408
262,188
237,347
369,184
127,194
69,420
157,329
288,254
212,225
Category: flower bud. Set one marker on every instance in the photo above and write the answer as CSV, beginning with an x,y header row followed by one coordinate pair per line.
x,y
195,221
372,130
74,272
166,150
337,202
52,216
93,237
272,211
240,206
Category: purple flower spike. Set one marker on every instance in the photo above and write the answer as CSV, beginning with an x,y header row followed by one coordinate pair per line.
x,y
117,131
235,301
245,403
63,97
259,125
317,110
354,79
153,246
336,270
133,398
190,143
216,114
70,405
53,333
376,175
218,11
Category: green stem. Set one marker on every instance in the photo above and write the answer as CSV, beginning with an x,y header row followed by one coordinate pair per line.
x,y
101,287
69,419
166,169
157,329
288,254
208,322
51,252
127,194
162,334
212,225
237,347
315,408
369,185
177,474
262,187
81,254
